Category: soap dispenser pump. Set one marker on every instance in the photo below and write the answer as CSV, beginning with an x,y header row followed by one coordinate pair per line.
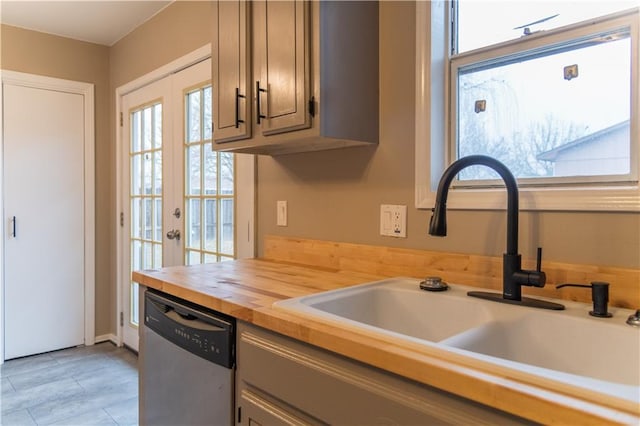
x,y
599,296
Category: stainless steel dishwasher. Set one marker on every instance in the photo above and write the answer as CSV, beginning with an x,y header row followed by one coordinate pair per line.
x,y
187,357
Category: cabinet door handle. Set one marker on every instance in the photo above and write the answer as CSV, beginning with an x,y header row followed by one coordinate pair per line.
x,y
13,227
258,91
238,96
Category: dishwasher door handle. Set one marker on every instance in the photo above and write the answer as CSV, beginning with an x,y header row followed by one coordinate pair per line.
x,y
191,321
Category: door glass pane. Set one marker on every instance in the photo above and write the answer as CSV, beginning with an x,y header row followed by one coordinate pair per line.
x,y
147,250
136,131
226,223
157,126
193,117
193,217
136,230
146,194
147,165
193,257
147,220
193,170
157,172
210,214
226,173
157,256
207,118
210,170
158,221
136,174
147,128
136,255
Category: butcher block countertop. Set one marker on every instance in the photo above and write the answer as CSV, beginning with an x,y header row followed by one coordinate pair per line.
x,y
246,289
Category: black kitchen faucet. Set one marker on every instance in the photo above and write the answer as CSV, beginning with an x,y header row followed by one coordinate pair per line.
x,y
513,276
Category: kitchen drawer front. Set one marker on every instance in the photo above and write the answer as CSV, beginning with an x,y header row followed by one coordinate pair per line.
x,y
257,408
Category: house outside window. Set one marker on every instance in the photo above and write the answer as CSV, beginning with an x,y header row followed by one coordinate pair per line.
x,y
548,88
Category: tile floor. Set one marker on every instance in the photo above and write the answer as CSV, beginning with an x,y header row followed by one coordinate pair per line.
x,y
92,385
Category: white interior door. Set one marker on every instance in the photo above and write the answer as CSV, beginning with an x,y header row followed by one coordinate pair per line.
x,y
43,138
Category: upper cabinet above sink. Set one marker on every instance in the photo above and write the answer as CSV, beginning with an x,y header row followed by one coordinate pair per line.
x,y
294,76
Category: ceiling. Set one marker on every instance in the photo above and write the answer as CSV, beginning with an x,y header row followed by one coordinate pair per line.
x,y
96,21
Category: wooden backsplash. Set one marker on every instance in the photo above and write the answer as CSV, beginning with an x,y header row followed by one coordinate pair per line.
x,y
472,270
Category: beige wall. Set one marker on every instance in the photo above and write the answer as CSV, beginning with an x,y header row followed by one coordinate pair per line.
x,y
179,29
332,195
42,54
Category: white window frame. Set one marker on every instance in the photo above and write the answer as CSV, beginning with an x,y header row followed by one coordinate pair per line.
x,y
432,130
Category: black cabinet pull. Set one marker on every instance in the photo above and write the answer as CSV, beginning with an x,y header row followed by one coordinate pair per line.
x,y
13,227
238,96
258,113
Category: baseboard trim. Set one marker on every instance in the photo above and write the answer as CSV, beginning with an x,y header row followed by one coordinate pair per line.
x,y
107,338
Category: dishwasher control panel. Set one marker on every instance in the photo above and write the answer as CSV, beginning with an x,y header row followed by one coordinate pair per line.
x,y
201,331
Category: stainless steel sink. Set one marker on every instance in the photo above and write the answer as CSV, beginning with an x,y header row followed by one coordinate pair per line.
x,y
569,345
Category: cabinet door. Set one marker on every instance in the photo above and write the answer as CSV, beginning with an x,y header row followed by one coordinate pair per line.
x,y
283,381
281,65
230,71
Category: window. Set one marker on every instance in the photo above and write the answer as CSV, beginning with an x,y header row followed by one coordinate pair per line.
x,y
551,91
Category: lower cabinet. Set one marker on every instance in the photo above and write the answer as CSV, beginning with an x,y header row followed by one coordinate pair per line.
x,y
280,381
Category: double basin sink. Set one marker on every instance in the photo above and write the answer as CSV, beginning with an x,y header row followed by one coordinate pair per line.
x,y
568,345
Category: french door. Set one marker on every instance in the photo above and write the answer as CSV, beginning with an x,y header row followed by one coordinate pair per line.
x,y
179,197
146,127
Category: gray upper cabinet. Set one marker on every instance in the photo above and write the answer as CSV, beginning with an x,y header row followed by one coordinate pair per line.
x,y
294,76
280,64
230,76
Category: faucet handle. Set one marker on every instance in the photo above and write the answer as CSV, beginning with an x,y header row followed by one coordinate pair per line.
x,y
536,278
539,260
634,319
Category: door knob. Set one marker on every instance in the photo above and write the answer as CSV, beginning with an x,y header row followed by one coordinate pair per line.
x,y
173,234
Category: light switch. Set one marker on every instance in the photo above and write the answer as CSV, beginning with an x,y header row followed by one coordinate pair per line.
x,y
281,213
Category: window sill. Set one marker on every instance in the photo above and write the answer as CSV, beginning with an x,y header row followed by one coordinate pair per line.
x,y
618,199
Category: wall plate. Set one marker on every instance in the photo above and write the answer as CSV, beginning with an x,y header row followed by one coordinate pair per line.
x,y
393,220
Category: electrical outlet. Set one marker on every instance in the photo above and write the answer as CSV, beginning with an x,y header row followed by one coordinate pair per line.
x,y
393,220
281,218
